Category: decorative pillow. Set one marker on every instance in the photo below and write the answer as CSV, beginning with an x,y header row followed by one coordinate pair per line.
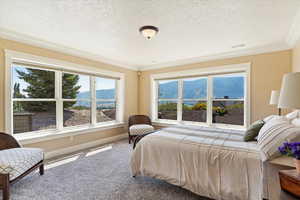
x,y
273,134
253,130
272,123
292,115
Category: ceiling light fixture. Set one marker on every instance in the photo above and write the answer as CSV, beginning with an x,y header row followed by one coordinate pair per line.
x,y
148,31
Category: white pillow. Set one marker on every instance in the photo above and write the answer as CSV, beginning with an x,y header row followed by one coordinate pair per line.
x,y
296,122
273,134
271,124
271,117
292,115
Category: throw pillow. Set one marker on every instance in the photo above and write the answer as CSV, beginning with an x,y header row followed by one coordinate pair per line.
x,y
252,132
273,134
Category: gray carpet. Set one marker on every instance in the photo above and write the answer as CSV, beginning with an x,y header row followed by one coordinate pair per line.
x,y
103,175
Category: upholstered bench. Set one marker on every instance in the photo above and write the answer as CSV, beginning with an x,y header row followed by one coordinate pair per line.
x,y
16,162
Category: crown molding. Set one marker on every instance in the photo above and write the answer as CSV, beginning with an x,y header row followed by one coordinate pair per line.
x,y
294,32
225,55
22,38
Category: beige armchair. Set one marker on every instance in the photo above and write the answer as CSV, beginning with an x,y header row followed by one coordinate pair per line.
x,y
16,162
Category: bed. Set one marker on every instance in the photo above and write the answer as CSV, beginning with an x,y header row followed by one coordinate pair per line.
x,y
210,162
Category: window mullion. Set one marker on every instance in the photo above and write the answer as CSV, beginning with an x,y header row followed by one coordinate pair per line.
x,y
246,101
209,101
117,102
9,98
93,100
156,99
59,100
179,101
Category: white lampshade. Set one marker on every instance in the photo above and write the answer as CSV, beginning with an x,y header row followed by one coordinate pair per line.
x,y
274,97
290,91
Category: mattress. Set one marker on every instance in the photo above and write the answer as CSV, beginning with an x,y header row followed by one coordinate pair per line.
x,y
210,162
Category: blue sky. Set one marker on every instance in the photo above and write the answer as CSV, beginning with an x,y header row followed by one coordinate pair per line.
x,y
16,79
101,83
104,83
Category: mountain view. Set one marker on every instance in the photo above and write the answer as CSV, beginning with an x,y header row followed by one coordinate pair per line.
x,y
231,87
100,94
42,115
227,112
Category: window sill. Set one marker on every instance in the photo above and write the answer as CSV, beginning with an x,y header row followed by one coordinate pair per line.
x,y
34,137
173,122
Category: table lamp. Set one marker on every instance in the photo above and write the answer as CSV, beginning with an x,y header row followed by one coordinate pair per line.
x,y
274,99
290,91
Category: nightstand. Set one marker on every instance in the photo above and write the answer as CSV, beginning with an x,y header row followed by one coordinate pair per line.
x,y
285,164
283,161
290,182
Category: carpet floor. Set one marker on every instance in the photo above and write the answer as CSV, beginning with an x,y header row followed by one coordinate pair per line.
x,y
96,174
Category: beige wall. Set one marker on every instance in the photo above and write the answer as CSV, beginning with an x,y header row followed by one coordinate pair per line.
x,y
296,57
131,96
266,73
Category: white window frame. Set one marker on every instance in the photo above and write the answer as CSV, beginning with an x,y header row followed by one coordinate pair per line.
x,y
59,67
94,102
198,99
243,69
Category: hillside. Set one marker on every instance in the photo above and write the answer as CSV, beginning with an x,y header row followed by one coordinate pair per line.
x,y
100,94
233,87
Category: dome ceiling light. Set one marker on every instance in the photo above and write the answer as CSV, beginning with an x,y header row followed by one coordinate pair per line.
x,y
148,31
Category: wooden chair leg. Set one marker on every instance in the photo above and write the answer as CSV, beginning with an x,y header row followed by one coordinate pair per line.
x,y
5,184
42,169
129,138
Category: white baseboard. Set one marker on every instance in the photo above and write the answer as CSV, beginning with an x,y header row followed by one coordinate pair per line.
x,y
75,148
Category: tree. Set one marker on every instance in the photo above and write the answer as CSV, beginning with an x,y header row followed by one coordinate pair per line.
x,y
17,93
41,84
70,90
199,106
17,106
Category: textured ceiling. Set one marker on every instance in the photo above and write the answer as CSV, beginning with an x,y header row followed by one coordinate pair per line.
x,y
189,29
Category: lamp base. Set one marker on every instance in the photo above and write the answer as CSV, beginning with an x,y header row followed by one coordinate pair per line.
x,y
279,111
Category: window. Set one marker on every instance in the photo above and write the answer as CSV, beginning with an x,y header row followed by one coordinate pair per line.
x,y
76,99
228,99
194,99
167,100
53,99
105,99
34,104
214,99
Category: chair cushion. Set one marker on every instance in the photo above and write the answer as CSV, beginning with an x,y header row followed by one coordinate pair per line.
x,y
139,129
16,161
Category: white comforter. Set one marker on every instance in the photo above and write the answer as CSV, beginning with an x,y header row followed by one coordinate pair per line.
x,y
210,162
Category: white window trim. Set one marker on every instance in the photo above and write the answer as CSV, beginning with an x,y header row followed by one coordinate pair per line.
x,y
58,65
209,71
